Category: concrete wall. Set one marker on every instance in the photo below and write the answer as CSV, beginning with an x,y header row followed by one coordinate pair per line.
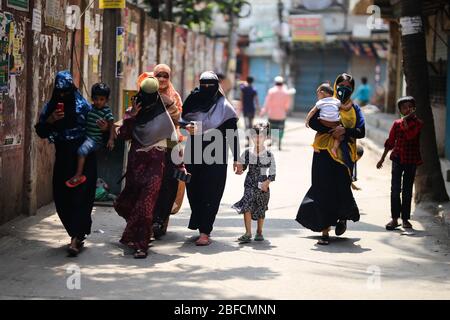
x,y
26,161
12,109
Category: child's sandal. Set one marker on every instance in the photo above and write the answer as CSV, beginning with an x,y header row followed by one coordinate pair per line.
x,y
259,237
245,238
72,183
392,226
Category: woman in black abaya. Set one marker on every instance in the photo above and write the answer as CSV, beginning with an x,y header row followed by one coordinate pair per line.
x,y
213,121
66,130
330,202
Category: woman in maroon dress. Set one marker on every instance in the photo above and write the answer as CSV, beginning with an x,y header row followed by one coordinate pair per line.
x,y
149,127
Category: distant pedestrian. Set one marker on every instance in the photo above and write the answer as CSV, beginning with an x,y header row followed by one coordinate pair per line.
x,y
276,106
404,141
363,93
261,172
249,102
65,128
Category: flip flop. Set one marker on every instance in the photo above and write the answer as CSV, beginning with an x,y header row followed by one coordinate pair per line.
x,y
324,240
140,254
203,241
245,239
73,252
407,225
392,226
71,184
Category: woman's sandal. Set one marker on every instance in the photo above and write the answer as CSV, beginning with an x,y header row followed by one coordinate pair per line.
x,y
324,240
203,240
75,250
140,254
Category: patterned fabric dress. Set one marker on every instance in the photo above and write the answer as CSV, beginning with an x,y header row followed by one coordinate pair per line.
x,y
260,168
137,201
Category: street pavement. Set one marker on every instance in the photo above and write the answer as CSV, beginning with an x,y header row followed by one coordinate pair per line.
x,y
367,262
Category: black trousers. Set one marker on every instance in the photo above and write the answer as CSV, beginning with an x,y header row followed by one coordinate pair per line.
x,y
277,125
402,183
248,119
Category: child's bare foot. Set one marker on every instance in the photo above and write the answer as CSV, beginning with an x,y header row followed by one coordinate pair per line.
x,y
76,181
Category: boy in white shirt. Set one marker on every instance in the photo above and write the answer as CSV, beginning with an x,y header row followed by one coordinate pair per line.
x,y
328,106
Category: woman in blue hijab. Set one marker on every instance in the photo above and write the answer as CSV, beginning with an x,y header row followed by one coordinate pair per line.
x,y
62,121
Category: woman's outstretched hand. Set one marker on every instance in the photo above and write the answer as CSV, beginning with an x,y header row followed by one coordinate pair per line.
x,y
135,109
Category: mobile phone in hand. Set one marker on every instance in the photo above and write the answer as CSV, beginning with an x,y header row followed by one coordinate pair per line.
x,y
60,107
180,175
183,123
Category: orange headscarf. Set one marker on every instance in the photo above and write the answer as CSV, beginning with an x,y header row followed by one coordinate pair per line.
x,y
142,77
169,90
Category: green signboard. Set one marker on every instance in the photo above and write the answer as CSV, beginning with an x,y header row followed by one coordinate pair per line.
x,y
21,5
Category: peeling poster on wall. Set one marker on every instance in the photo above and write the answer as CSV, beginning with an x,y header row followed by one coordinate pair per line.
x,y
1,113
5,25
55,14
119,51
16,50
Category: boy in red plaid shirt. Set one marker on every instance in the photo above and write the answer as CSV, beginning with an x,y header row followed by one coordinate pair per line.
x,y
404,141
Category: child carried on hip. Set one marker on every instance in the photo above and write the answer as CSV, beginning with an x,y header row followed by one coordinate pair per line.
x,y
94,136
328,108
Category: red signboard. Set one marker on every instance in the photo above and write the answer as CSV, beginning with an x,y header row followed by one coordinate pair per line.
x,y
307,28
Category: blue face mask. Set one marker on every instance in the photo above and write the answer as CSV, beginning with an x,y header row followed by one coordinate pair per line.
x,y
343,93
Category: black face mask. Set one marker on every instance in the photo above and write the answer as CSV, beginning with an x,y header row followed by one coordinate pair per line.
x,y
151,106
147,100
344,93
208,92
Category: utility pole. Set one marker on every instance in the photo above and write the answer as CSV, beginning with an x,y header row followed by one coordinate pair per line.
x,y
154,11
231,33
282,51
230,66
429,182
169,10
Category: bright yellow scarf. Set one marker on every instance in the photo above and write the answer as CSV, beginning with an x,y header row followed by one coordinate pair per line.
x,y
324,141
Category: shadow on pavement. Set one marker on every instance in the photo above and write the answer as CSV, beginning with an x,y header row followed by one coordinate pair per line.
x,y
340,245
